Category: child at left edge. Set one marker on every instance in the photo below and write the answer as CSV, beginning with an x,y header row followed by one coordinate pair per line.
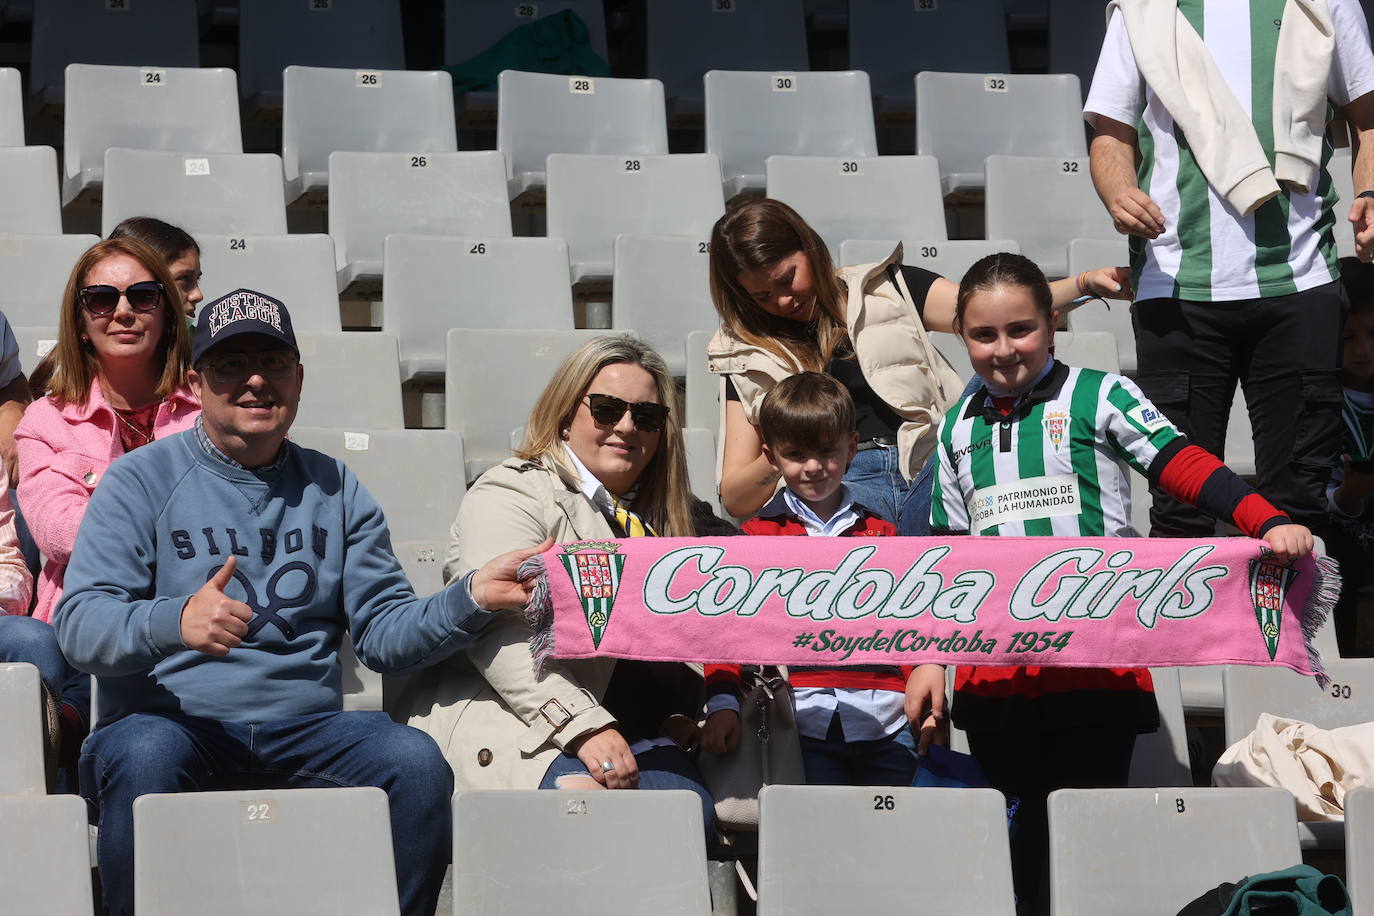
x,y
854,722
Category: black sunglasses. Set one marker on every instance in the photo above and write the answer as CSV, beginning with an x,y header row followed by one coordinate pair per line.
x,y
103,300
647,416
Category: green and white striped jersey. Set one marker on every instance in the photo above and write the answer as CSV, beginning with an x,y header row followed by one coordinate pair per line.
x,y
1059,465
1208,252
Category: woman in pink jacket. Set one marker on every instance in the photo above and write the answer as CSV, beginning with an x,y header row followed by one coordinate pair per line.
x,y
118,382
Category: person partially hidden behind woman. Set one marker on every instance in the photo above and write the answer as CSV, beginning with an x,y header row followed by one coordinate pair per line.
x,y
603,457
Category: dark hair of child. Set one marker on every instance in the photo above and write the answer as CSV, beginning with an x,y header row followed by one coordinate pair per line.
x,y
1003,269
808,410
1358,279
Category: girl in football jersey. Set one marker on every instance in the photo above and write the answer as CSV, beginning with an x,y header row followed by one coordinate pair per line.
x,y
1035,422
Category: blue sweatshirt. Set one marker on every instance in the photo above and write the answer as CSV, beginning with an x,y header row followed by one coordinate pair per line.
x,y
314,559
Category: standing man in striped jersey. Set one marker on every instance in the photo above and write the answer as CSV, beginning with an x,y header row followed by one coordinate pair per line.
x,y
1210,153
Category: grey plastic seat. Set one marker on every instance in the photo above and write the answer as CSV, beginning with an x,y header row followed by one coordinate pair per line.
x,y
521,850
1044,203
951,347
592,199
878,197
894,40
146,33
877,852
1347,700
544,113
34,343
1359,849
1077,28
372,195
180,109
751,115
661,286
297,269
1088,350
1123,852
362,687
685,40
325,110
299,851
700,444
21,728
1161,758
473,26
1240,437
45,860
492,379
962,118
1113,315
356,34
434,283
229,194
416,475
1339,170
11,108
35,268
949,258
29,201
703,386
352,379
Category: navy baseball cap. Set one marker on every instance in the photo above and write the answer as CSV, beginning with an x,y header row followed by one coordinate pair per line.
x,y
241,312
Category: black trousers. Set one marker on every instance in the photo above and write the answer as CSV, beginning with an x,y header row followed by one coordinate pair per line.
x,y
1286,353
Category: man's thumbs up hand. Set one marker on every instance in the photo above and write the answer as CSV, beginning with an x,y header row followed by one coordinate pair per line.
x,y
211,621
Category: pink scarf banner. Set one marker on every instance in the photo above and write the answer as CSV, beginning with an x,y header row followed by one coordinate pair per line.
x,y
1076,602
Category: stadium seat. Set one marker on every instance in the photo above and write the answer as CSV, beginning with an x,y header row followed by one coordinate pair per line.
x,y
29,201
877,197
878,852
544,113
962,118
1088,350
950,259
21,732
1339,170
685,40
174,109
703,385
492,380
11,108
1112,850
1044,203
433,283
297,269
353,34
352,380
1161,758
1359,849
374,194
592,199
751,115
325,110
1112,315
36,268
299,851
892,41
1347,700
416,475
522,850
952,348
1240,437
661,286
1077,28
34,344
45,859
142,34
700,444
473,26
362,687
230,194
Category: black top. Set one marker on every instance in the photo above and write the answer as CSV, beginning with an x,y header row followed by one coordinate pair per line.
x,y
873,418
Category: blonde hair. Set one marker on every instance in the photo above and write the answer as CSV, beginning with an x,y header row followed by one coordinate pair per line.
x,y
662,495
758,233
68,371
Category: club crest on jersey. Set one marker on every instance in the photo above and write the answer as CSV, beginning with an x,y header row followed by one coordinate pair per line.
x,y
1268,583
1056,423
595,567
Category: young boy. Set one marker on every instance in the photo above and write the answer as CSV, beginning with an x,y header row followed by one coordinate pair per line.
x,y
854,722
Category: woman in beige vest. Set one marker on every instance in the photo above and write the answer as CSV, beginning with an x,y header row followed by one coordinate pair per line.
x,y
784,308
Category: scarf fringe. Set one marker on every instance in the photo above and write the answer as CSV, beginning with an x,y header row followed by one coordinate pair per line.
x,y
538,612
1320,604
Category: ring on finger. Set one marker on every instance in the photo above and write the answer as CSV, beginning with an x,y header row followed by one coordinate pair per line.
x,y
607,766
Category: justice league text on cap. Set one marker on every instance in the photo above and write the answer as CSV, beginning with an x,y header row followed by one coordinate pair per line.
x,y
241,312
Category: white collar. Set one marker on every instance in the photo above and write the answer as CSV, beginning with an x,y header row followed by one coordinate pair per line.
x,y
593,489
845,516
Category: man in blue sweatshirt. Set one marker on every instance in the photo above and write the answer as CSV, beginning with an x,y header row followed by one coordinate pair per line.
x,y
214,576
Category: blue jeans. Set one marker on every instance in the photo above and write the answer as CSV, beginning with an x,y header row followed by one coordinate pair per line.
x,y
24,639
659,768
145,753
875,480
833,761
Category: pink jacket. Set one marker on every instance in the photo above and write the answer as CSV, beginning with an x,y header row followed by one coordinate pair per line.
x,y
16,585
63,452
